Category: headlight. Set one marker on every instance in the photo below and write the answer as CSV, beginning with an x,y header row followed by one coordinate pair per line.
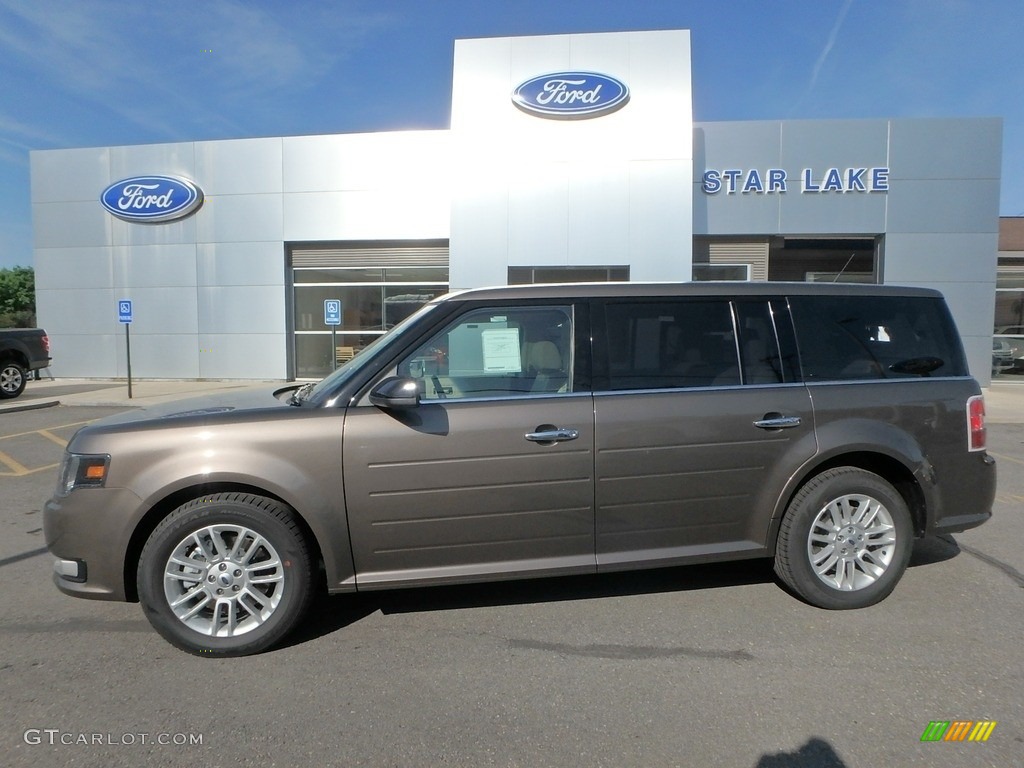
x,y
82,471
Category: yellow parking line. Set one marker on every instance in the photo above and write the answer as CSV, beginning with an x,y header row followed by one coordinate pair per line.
x,y
27,472
16,469
1005,458
50,436
37,431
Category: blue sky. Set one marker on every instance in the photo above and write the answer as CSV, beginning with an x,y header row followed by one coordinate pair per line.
x,y
77,73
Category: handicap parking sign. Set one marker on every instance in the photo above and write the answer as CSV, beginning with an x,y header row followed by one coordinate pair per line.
x,y
124,311
332,311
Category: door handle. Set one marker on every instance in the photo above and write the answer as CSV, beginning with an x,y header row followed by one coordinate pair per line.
x,y
555,435
777,421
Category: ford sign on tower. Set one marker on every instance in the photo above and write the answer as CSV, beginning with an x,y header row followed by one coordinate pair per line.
x,y
152,198
571,95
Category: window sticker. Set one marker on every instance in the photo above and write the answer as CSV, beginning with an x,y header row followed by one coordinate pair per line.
x,y
501,350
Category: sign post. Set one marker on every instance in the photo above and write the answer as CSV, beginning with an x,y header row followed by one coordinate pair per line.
x,y
124,316
332,317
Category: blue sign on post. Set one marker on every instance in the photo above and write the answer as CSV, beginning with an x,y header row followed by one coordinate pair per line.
x,y
332,311
124,316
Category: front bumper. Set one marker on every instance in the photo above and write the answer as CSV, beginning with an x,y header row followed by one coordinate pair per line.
x,y
91,527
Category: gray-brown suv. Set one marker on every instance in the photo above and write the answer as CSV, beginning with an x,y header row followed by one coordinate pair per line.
x,y
529,431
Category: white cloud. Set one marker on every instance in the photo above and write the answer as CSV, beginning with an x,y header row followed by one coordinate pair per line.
x,y
829,43
147,62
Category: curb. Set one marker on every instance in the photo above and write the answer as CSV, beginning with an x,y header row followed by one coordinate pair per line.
x,y
32,406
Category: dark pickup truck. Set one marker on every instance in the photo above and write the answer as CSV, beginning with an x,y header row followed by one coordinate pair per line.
x,y
21,350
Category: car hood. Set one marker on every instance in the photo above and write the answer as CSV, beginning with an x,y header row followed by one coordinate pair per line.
x,y
216,407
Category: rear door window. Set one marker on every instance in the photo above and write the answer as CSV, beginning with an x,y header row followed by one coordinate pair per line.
x,y
668,344
843,338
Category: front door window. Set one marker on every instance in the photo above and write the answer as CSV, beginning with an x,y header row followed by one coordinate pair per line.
x,y
499,352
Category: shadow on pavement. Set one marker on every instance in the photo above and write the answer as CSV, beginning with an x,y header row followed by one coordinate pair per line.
x,y
933,549
329,614
816,753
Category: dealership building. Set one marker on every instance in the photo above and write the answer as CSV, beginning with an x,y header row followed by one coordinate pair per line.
x,y
569,157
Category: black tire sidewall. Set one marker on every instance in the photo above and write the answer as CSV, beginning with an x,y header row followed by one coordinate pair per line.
x,y
265,517
804,509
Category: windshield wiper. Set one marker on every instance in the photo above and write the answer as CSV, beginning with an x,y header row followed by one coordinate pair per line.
x,y
299,395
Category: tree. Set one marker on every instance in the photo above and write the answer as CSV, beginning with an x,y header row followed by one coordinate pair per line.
x,y
17,297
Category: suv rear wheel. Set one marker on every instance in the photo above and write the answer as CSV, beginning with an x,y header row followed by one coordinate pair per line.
x,y
12,379
845,539
225,575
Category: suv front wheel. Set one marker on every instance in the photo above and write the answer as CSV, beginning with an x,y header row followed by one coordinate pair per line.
x,y
845,539
227,574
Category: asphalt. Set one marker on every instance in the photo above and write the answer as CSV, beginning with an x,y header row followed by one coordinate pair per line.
x,y
1004,400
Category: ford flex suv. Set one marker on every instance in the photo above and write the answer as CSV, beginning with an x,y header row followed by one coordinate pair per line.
x,y
539,430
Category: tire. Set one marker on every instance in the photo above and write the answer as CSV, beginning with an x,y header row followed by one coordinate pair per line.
x,y
13,378
845,540
251,582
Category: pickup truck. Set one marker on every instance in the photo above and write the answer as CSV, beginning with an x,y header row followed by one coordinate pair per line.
x,y
21,350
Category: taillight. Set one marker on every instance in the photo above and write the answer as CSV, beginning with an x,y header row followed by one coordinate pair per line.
x,y
976,423
46,344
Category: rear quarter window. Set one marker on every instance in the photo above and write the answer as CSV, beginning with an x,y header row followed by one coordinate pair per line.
x,y
843,338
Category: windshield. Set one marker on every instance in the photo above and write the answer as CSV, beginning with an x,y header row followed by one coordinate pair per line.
x,y
331,383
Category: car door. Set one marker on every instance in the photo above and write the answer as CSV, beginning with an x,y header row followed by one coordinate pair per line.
x,y
700,421
491,474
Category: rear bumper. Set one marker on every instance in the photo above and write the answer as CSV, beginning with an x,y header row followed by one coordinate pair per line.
x,y
962,522
970,504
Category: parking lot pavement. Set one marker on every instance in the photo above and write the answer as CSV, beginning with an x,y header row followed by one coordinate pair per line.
x,y
1004,403
106,393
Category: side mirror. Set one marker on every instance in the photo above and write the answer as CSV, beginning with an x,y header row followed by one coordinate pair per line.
x,y
396,394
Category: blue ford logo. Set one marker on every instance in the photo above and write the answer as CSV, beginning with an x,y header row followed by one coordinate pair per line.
x,y
571,95
152,198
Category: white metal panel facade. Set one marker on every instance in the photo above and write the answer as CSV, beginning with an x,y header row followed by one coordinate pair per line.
x,y
533,191
210,291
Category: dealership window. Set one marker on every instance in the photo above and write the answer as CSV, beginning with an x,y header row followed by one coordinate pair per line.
x,y
1008,341
730,258
531,275
825,260
837,259
378,285
703,272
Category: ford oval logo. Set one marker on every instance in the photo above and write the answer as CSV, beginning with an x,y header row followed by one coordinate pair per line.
x,y
152,198
571,95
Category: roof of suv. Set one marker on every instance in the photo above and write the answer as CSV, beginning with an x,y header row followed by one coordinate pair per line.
x,y
620,290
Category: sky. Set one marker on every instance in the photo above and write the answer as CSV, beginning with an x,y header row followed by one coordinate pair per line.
x,y
84,73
